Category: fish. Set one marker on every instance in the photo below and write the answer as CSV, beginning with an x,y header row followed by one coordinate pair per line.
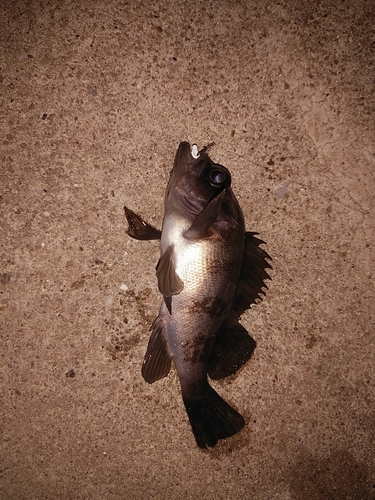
x,y
210,271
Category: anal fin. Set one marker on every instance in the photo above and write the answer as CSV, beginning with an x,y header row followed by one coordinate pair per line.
x,y
157,360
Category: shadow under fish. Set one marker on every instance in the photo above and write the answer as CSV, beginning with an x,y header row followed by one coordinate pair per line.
x,y
209,272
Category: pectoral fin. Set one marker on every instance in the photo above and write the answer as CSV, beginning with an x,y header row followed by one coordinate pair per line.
x,y
199,229
157,360
169,282
139,229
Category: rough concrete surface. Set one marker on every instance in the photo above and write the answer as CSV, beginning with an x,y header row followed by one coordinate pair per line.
x,y
95,98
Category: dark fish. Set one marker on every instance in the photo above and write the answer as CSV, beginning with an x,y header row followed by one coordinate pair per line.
x,y
209,272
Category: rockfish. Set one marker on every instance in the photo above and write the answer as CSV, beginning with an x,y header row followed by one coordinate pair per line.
x,y
209,272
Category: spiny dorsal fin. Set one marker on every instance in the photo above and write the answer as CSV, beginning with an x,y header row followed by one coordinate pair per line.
x,y
253,274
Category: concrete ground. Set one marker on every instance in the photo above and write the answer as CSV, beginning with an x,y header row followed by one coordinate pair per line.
x,y
95,98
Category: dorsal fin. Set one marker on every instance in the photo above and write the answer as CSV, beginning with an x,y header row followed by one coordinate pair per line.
x,y
253,274
232,347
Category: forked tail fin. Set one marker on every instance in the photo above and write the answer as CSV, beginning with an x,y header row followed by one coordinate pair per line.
x,y
211,418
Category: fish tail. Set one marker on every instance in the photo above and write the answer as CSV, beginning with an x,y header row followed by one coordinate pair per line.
x,y
212,418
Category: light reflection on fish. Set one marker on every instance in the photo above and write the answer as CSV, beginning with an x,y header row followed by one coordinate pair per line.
x,y
209,272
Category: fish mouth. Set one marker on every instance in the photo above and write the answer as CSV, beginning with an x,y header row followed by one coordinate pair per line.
x,y
183,156
189,159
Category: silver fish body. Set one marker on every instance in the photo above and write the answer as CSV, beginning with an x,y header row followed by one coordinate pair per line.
x,y
209,272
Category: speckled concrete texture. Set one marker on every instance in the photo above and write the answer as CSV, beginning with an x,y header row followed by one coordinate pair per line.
x,y
95,98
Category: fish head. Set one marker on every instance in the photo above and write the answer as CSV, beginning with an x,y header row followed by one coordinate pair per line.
x,y
195,181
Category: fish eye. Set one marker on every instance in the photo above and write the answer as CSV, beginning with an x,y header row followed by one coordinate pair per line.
x,y
217,178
